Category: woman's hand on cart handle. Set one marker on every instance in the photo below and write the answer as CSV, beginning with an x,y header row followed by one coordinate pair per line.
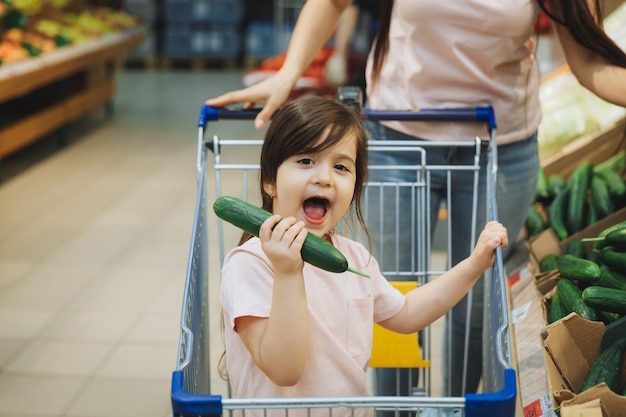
x,y
271,93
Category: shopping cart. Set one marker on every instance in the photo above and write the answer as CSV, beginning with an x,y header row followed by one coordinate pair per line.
x,y
194,391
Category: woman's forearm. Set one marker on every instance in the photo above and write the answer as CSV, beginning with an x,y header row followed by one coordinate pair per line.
x,y
316,23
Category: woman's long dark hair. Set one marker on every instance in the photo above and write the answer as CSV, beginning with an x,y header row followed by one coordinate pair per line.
x,y
584,27
575,15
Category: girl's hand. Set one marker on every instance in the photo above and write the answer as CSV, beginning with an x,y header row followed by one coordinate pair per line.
x,y
493,235
282,242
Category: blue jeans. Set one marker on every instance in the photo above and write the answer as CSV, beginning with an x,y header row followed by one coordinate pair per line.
x,y
518,165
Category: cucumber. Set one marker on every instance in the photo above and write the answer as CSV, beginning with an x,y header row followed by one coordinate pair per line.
x,y
556,184
611,279
534,222
615,163
557,310
608,317
548,263
542,190
614,259
592,214
593,256
615,184
578,184
571,298
579,269
600,197
315,250
556,214
576,248
616,239
599,240
606,299
607,368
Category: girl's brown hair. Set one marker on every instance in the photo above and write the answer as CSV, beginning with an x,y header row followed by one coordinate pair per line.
x,y
297,128
583,24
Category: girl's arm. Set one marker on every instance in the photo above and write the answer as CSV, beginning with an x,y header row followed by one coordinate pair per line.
x,y
315,24
597,74
428,302
279,344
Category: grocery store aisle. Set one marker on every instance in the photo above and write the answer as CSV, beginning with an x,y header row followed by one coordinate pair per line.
x,y
93,255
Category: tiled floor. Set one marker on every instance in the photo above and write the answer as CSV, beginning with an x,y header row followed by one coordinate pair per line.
x,y
93,255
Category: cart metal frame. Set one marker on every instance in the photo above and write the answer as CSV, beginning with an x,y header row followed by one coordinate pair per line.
x,y
191,390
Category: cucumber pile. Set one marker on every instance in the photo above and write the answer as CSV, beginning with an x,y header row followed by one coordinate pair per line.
x,y
607,368
589,194
592,283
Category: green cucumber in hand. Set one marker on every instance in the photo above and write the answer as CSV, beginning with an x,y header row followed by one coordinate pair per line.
x,y
248,217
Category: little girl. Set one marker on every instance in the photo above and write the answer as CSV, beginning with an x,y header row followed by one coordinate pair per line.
x,y
292,329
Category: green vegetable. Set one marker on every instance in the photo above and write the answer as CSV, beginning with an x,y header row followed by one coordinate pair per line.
x,y
579,269
607,368
556,184
542,190
606,299
549,262
608,317
615,163
614,259
557,310
576,248
534,222
578,184
611,279
600,197
615,184
571,298
616,238
593,256
315,250
592,214
599,240
556,214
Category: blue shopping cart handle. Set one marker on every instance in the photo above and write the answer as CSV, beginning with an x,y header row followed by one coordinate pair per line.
x,y
483,115
186,404
212,114
501,403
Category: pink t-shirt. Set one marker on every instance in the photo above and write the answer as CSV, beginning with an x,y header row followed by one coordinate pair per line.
x,y
342,310
461,53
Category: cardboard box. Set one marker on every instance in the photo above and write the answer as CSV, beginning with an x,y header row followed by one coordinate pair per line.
x,y
570,347
527,319
592,408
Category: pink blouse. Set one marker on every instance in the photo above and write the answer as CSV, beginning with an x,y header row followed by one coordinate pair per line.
x,y
461,53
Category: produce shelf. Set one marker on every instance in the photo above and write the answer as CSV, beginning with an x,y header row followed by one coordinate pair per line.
x,y
94,60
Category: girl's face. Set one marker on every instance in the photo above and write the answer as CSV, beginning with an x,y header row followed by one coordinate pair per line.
x,y
316,188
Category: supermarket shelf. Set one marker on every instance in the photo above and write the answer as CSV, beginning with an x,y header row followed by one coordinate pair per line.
x,y
93,61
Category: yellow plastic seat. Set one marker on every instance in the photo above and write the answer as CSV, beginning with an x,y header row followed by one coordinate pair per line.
x,y
395,350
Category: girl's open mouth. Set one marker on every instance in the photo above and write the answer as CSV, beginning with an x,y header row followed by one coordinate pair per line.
x,y
315,209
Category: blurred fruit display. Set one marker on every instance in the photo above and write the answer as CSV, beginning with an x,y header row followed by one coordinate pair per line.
x,y
32,27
